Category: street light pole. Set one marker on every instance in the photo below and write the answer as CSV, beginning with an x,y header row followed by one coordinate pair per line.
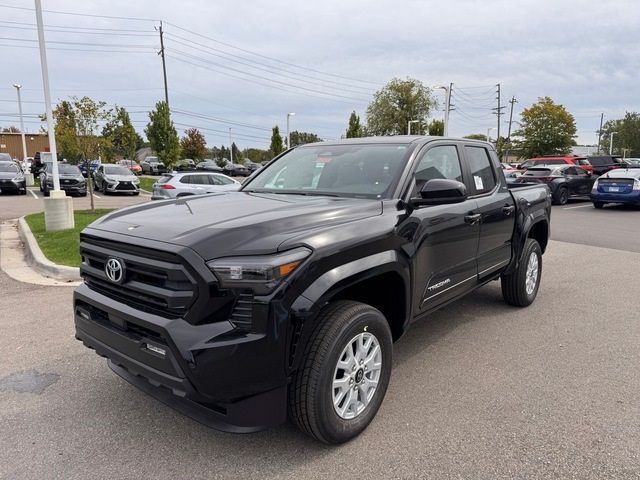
x,y
28,178
24,142
611,143
58,209
409,126
288,133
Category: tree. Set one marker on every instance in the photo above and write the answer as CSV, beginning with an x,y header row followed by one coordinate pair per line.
x,y
546,128
397,103
256,155
276,146
193,144
436,127
354,130
237,154
162,134
11,129
87,115
477,136
626,141
300,138
65,131
122,137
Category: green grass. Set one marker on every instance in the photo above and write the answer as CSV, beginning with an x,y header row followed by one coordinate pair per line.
x,y
147,183
62,247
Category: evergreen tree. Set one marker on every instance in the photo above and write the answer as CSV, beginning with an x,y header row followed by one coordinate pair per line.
x,y
162,135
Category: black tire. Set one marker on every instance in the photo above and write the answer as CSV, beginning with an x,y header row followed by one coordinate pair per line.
x,y
136,193
311,394
561,197
598,204
514,285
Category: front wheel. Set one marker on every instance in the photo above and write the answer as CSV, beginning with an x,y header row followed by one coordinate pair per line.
x,y
598,204
520,287
343,378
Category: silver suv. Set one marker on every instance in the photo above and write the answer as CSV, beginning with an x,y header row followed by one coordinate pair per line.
x,y
111,178
175,185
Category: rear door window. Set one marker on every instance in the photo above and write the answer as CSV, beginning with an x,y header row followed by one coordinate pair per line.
x,y
482,175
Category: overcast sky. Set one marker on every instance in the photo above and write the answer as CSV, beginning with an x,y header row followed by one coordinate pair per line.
x,y
250,62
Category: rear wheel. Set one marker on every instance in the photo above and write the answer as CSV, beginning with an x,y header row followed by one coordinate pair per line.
x,y
520,287
598,204
344,376
562,196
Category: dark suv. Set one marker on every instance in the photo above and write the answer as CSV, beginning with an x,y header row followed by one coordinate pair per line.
x,y
284,298
603,163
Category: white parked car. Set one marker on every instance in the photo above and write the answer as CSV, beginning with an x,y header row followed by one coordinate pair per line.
x,y
176,185
110,178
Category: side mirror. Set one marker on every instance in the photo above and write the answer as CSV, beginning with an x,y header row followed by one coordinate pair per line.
x,y
440,192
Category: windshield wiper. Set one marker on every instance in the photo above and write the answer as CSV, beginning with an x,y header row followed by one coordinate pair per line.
x,y
294,192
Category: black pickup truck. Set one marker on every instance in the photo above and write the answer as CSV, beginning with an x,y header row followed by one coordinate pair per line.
x,y
283,300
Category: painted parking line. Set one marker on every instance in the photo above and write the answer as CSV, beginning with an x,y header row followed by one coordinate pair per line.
x,y
96,196
579,206
33,193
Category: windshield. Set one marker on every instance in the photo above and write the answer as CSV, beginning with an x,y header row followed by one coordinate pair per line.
x,y
68,169
363,171
8,167
116,170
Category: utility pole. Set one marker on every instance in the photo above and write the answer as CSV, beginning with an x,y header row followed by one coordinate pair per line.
x,y
447,109
230,146
164,65
600,132
498,111
512,102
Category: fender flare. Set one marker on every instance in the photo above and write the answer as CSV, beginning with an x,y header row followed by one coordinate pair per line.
x,y
343,276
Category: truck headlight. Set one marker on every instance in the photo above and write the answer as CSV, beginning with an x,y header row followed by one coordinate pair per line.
x,y
18,179
261,273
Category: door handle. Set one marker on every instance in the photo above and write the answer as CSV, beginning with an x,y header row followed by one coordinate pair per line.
x,y
508,209
473,218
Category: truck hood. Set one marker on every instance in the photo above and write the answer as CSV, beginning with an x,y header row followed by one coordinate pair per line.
x,y
234,223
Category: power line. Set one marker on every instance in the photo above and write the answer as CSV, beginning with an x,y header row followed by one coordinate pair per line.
x,y
220,120
55,30
71,27
266,78
59,42
264,66
255,81
76,49
271,58
58,12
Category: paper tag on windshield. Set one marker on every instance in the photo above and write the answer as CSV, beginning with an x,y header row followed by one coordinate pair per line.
x,y
479,184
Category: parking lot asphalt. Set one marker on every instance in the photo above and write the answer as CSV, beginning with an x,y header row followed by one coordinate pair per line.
x,y
480,390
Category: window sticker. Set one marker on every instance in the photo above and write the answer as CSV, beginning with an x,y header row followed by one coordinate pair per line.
x,y
479,184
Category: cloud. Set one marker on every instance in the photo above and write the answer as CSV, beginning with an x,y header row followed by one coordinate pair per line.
x,y
581,53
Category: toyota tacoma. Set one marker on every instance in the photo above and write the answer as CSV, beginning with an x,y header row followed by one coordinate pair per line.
x,y
283,300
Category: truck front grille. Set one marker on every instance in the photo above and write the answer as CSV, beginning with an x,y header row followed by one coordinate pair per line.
x,y
155,282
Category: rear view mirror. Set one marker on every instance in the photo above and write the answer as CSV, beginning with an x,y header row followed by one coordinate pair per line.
x,y
441,191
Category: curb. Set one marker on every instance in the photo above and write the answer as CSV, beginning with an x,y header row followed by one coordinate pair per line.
x,y
36,259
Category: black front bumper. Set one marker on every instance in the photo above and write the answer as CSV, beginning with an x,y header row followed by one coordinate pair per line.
x,y
206,372
11,187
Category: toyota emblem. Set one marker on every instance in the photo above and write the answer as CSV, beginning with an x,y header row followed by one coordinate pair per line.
x,y
114,269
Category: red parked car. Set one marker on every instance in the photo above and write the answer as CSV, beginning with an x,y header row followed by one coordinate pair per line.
x,y
131,165
581,162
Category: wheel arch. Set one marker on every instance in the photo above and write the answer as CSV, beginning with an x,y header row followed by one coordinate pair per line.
x,y
381,280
